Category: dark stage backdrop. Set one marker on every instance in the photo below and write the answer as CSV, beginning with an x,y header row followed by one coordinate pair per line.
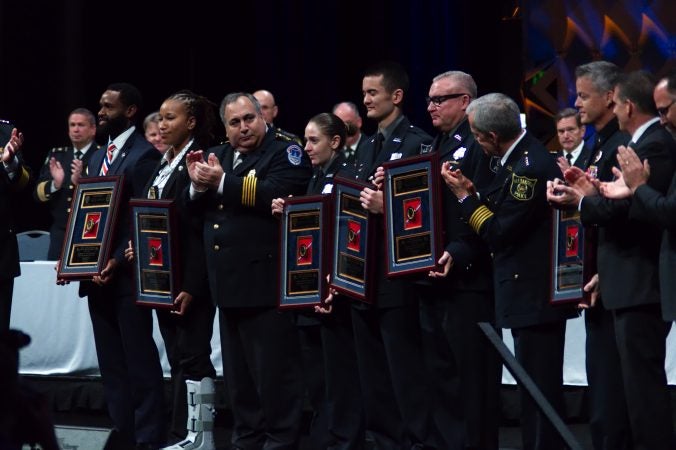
x,y
562,34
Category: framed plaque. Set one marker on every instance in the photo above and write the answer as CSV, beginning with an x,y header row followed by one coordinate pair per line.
x,y
155,238
411,202
573,257
351,256
305,229
89,232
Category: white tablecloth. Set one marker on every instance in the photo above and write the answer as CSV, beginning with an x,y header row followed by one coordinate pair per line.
x,y
62,341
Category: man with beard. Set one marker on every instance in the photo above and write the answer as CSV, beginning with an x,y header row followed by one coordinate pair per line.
x,y
55,186
355,139
127,355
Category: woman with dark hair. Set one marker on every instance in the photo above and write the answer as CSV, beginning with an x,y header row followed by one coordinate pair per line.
x,y
326,341
185,123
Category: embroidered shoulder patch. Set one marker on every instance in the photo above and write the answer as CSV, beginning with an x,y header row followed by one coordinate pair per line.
x,y
522,188
294,154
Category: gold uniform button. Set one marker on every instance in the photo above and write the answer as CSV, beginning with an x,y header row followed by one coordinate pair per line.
x,y
217,248
516,276
220,206
215,226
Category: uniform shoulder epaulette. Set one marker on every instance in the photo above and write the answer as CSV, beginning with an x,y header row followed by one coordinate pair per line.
x,y
286,136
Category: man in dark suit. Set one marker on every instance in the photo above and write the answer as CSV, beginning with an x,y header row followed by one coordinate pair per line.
x,y
608,416
513,218
128,358
570,131
355,139
14,176
628,266
648,203
397,400
54,185
232,191
461,293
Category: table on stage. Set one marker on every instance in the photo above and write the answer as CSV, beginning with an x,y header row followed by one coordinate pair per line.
x,y
62,342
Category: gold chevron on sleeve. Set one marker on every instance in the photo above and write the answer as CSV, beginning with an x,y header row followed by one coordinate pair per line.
x,y
42,191
24,177
249,191
479,216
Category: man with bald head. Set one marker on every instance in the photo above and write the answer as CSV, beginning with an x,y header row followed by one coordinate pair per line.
x,y
270,110
349,113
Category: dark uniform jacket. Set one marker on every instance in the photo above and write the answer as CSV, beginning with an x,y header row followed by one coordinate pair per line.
x,y
514,219
472,265
241,237
59,201
405,140
628,249
189,233
9,256
601,158
136,158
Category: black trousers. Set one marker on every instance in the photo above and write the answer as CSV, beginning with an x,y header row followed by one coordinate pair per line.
x,y
346,421
262,367
187,340
395,385
640,334
6,292
466,369
608,416
129,364
539,349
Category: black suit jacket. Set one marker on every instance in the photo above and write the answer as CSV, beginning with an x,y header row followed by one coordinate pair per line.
x,y
649,204
472,265
189,233
59,202
241,237
514,219
628,250
136,159
9,256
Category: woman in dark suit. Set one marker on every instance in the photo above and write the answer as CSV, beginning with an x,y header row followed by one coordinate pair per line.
x,y
326,341
185,124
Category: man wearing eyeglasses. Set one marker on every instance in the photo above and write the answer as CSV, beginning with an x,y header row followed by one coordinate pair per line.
x,y
460,294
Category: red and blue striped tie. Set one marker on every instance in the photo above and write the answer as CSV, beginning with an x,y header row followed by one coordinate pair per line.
x,y
108,160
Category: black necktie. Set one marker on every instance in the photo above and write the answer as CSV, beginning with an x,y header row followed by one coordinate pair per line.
x,y
78,154
569,157
379,143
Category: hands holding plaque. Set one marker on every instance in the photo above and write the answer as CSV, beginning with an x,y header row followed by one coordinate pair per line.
x,y
304,250
412,221
86,248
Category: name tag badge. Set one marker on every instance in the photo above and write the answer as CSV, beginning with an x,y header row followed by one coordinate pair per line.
x,y
395,156
328,188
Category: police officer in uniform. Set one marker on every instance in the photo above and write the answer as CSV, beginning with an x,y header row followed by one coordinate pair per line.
x,y
466,370
55,186
232,190
514,219
14,176
397,401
